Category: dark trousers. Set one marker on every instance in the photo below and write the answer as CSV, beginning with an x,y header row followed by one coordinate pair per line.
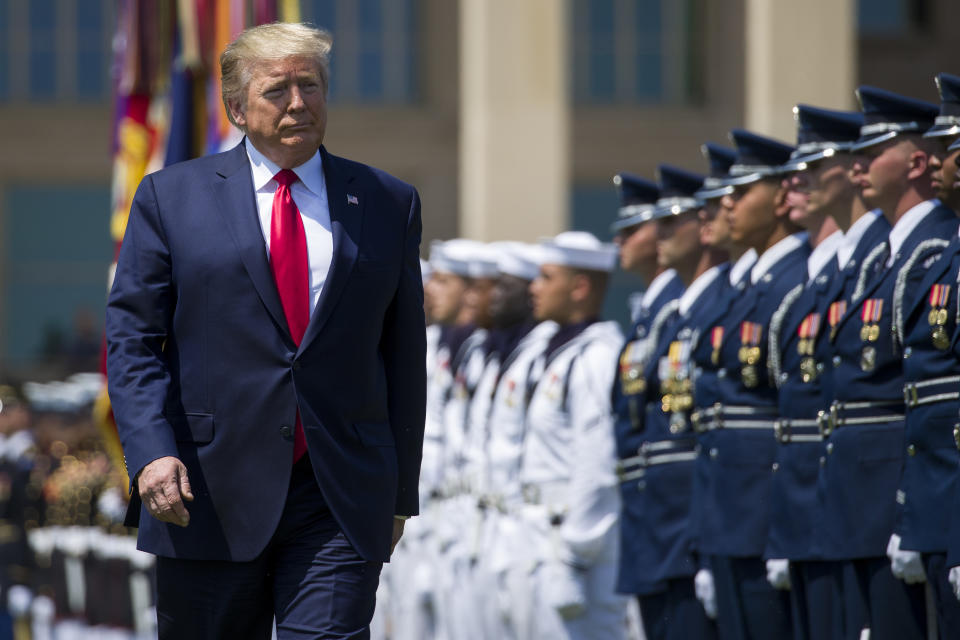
x,y
875,599
748,608
815,598
675,613
309,577
948,607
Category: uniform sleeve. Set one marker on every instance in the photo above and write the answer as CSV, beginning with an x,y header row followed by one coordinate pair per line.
x,y
138,319
403,347
593,506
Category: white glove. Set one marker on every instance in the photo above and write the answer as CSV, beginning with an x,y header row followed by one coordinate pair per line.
x,y
954,577
564,589
778,574
706,592
906,565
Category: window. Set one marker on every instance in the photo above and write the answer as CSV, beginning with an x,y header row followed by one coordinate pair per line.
x,y
55,50
636,51
56,254
886,18
374,49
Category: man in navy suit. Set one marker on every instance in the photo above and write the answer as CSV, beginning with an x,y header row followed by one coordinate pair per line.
x,y
266,363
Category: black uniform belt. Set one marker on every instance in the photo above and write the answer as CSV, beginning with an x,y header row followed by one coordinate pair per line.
x,y
797,430
930,391
654,453
843,414
722,416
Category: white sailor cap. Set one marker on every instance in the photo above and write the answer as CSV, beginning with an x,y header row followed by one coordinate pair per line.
x,y
462,257
578,249
517,259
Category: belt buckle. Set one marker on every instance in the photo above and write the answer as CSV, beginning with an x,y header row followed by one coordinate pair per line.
x,y
695,418
718,415
781,430
833,419
531,493
823,423
910,397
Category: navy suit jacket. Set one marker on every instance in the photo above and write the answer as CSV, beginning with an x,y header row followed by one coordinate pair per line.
x,y
202,366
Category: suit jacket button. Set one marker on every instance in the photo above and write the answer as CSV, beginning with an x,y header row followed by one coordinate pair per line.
x,y
286,432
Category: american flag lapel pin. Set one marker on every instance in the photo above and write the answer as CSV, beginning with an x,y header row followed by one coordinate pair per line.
x,y
352,199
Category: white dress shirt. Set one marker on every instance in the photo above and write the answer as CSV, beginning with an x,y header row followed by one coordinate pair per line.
x,y
310,195
906,224
774,254
823,253
852,237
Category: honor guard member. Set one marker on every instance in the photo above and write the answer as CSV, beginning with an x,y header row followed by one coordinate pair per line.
x,y
736,402
931,374
494,442
456,610
656,448
433,328
467,365
716,235
450,265
950,176
16,464
571,509
636,235
819,180
863,454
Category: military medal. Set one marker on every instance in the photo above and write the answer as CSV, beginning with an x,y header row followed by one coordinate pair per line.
x,y
716,340
675,385
868,358
750,335
834,313
939,293
807,332
870,315
631,369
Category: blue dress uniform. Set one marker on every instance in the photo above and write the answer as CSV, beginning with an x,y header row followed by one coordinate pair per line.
x,y
734,417
794,331
863,454
932,376
655,451
638,198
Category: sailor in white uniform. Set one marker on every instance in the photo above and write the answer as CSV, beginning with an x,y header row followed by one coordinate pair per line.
x,y
571,504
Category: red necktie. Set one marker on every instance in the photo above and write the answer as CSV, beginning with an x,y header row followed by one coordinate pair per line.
x,y
288,261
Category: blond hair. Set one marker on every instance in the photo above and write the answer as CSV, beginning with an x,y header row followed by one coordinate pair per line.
x,y
274,41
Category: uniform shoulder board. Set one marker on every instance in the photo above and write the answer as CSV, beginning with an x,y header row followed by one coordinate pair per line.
x,y
930,248
866,268
773,336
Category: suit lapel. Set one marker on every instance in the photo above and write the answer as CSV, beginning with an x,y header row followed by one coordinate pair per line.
x,y
238,208
346,222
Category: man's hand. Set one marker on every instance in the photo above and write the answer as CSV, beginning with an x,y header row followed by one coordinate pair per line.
x,y
397,532
163,486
